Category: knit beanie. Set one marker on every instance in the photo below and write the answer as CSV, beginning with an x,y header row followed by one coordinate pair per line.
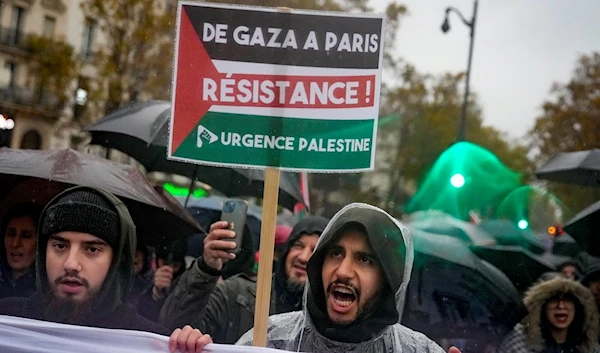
x,y
83,211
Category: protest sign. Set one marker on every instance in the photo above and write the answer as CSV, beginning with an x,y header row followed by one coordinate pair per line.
x,y
275,89
257,87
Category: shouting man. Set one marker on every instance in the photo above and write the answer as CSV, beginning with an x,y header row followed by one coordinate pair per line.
x,y
357,279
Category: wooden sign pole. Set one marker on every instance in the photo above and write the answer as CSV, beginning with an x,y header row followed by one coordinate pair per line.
x,y
265,261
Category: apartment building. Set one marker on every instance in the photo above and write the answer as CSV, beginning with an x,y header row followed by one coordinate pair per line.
x,y
28,113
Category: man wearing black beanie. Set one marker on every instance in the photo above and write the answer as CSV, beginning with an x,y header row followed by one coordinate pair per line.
x,y
226,311
86,248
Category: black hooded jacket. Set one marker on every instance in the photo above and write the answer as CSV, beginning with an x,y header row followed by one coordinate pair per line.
x,y
112,310
226,311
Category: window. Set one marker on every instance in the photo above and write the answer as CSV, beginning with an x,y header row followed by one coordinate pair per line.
x,y
16,22
8,74
49,26
88,38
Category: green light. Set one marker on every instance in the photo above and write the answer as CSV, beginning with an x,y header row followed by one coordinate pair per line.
x,y
523,224
180,191
457,180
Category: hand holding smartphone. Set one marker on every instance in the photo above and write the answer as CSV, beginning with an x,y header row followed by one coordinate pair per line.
x,y
234,213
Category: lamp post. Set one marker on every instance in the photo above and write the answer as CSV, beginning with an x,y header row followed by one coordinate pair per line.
x,y
471,25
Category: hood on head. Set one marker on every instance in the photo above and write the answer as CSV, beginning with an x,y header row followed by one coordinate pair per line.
x,y
307,225
537,297
119,280
392,246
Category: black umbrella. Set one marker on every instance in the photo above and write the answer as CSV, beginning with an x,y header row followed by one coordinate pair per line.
x,y
507,233
565,245
35,175
441,223
453,293
521,266
584,228
207,210
581,167
141,130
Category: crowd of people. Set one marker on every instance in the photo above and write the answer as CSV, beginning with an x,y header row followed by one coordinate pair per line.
x,y
338,285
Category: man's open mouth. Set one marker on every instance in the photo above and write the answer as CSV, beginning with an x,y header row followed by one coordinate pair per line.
x,y
343,296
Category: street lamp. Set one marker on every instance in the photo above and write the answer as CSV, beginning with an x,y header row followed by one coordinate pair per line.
x,y
445,29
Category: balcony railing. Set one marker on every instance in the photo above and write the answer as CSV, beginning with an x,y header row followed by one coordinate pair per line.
x,y
12,37
29,97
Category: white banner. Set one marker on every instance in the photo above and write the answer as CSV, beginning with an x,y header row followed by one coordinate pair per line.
x,y
19,335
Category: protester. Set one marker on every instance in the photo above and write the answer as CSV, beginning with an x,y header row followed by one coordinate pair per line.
x,y
591,278
357,279
226,311
86,246
569,269
141,266
170,259
562,317
17,250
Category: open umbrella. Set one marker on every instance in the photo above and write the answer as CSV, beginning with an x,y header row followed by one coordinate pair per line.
x,y
521,266
584,228
453,293
581,167
141,130
507,233
441,223
565,245
206,210
35,175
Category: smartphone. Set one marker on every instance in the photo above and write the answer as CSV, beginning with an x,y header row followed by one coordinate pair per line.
x,y
234,212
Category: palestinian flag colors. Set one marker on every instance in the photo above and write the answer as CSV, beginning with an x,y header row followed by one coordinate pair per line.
x,y
257,87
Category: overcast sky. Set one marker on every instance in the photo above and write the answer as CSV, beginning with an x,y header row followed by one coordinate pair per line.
x,y
521,48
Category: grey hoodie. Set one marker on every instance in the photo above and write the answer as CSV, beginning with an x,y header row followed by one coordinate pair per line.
x,y
378,331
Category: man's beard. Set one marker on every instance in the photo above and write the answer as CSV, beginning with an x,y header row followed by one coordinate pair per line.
x,y
294,286
363,311
68,310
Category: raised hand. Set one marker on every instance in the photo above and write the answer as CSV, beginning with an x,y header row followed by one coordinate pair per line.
x,y
217,246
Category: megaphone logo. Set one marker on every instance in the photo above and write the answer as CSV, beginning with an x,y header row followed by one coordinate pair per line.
x,y
205,134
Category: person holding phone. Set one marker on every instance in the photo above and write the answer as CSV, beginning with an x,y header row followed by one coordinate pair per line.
x,y
170,261
226,310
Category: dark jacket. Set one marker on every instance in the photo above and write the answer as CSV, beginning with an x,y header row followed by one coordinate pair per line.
x,y
111,312
530,336
23,287
226,311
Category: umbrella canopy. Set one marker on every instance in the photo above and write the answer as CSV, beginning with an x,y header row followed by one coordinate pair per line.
x,y
453,293
521,266
581,167
207,210
584,228
565,245
35,175
141,130
441,223
507,233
